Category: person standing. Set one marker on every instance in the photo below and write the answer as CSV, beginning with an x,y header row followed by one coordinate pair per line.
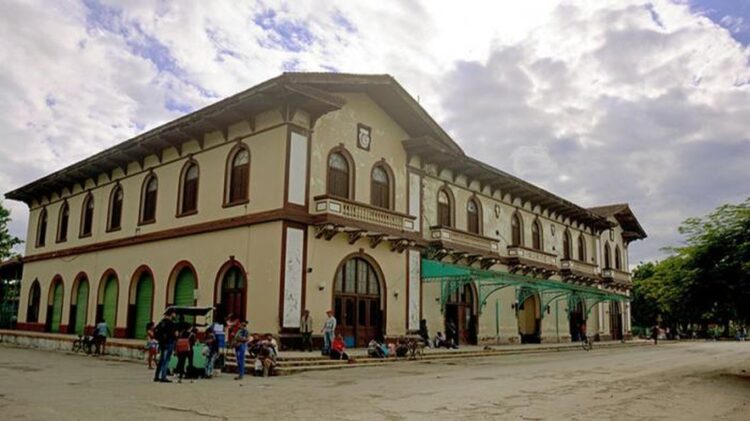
x,y
306,329
655,334
424,333
329,330
166,334
102,331
183,349
240,339
212,351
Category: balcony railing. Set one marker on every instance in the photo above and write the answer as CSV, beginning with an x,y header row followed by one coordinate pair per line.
x,y
532,256
361,212
570,265
463,238
616,275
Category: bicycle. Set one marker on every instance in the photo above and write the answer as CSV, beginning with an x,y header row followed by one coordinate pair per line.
x,y
587,344
83,344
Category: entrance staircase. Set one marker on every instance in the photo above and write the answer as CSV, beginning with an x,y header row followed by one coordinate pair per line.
x,y
293,362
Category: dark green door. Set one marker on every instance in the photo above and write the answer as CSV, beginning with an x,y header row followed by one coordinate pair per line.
x,y
82,306
109,304
183,290
57,307
143,302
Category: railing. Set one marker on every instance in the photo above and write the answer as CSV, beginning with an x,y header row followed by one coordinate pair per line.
x,y
364,213
463,238
536,256
579,266
616,275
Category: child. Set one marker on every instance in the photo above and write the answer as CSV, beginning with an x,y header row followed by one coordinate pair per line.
x,y
338,349
183,351
151,344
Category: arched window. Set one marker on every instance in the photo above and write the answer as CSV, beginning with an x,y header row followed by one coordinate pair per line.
x,y
581,248
35,295
618,258
516,230
148,199
567,246
62,223
445,209
41,228
189,190
607,261
238,176
339,181
358,301
115,209
536,235
380,189
473,216
87,215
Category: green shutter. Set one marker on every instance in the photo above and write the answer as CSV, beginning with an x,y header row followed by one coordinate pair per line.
x,y
57,308
82,305
143,302
183,290
109,312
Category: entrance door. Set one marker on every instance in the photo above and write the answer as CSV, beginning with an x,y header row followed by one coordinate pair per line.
x,y
357,303
81,307
459,309
109,303
144,294
576,318
183,290
232,294
529,319
615,320
56,308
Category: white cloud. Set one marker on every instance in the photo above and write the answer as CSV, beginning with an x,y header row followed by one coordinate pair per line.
x,y
604,101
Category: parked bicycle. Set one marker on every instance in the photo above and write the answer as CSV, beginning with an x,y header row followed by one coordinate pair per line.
x,y
83,344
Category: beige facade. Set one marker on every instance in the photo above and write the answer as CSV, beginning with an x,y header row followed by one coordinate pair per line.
x,y
319,148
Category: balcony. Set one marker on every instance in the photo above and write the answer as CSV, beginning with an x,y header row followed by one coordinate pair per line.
x,y
463,244
577,267
334,215
525,260
616,278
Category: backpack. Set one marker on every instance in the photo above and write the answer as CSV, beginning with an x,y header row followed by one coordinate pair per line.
x,y
182,346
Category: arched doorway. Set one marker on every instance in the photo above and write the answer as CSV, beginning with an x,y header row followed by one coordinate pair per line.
x,y
615,320
529,317
107,300
576,317
140,303
55,306
230,294
358,305
183,291
79,300
35,296
461,310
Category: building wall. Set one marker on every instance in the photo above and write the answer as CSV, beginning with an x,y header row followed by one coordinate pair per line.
x,y
267,145
256,248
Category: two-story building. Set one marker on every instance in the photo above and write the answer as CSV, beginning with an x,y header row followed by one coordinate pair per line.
x,y
317,191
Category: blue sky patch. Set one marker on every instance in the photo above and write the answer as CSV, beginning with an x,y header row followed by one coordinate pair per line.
x,y
733,15
283,33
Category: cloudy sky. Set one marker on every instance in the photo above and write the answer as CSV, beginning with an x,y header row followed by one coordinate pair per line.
x,y
646,102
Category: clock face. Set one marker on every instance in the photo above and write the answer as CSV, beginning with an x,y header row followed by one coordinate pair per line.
x,y
363,137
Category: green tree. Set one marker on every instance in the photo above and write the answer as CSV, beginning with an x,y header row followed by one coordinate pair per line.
x,y
705,281
7,241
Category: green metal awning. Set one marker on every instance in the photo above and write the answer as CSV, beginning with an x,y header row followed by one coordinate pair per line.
x,y
452,277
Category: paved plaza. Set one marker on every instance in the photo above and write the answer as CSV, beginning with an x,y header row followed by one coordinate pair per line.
x,y
685,381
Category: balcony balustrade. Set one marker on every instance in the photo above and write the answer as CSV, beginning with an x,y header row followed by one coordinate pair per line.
x,y
361,215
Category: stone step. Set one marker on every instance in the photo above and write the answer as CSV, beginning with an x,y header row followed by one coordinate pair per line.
x,y
318,363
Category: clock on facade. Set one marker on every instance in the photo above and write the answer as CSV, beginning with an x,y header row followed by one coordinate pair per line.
x,y
364,140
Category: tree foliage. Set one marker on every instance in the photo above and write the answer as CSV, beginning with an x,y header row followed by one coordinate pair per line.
x,y
705,281
7,241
